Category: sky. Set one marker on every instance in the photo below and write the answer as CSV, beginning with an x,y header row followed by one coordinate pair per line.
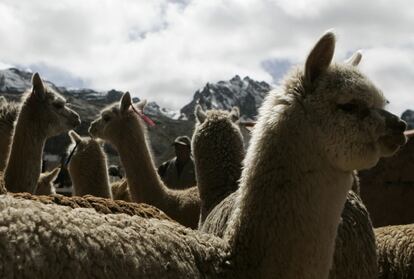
x,y
165,50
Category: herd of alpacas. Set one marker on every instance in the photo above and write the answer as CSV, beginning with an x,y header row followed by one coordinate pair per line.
x,y
288,207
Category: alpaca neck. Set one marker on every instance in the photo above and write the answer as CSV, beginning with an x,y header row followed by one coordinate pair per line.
x,y
290,204
144,182
24,164
89,176
217,175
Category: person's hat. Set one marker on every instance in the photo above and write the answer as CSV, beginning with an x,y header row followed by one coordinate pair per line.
x,y
183,140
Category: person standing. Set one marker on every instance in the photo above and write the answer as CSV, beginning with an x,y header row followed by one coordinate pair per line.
x,y
179,172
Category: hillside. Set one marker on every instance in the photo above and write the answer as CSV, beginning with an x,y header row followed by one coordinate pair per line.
x,y
245,93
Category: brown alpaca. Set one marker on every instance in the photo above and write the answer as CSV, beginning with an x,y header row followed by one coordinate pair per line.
x,y
43,114
123,128
45,183
88,168
218,151
8,114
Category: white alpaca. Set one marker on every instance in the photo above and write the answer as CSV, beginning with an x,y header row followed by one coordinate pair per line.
x,y
326,121
218,152
123,128
88,168
43,114
45,183
355,248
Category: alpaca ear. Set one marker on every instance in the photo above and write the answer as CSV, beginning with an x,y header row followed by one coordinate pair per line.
x,y
320,57
354,59
200,114
235,114
125,102
101,142
75,136
38,87
141,105
53,174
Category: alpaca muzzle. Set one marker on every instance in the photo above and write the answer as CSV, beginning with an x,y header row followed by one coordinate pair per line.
x,y
394,137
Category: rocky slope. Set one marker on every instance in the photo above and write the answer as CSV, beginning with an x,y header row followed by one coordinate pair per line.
x,y
245,93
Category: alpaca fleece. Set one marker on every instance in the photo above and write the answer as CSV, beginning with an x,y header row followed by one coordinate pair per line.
x,y
395,251
120,191
45,183
125,130
101,205
88,168
8,115
50,241
43,114
218,152
293,188
355,254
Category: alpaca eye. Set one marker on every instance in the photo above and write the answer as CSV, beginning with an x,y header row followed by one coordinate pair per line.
x,y
58,105
348,107
106,118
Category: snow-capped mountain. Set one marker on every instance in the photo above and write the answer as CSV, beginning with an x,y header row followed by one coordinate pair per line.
x,y
246,93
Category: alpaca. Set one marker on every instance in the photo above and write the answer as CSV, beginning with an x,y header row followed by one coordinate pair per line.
x,y
355,255
120,190
123,128
355,248
51,241
8,114
45,183
218,152
287,210
101,205
395,251
43,114
88,168
325,122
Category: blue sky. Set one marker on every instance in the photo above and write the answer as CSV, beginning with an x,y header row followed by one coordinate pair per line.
x,y
165,50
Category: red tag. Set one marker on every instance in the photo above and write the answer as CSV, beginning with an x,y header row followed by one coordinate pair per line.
x,y
144,117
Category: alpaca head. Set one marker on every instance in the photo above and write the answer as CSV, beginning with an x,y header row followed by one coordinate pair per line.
x,y
48,109
87,149
45,182
112,121
345,110
216,127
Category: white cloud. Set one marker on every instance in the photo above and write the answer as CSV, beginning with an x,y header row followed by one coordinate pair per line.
x,y
165,50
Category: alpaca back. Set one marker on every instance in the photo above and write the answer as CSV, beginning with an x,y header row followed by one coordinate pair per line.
x,y
395,246
95,245
101,205
88,169
218,151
